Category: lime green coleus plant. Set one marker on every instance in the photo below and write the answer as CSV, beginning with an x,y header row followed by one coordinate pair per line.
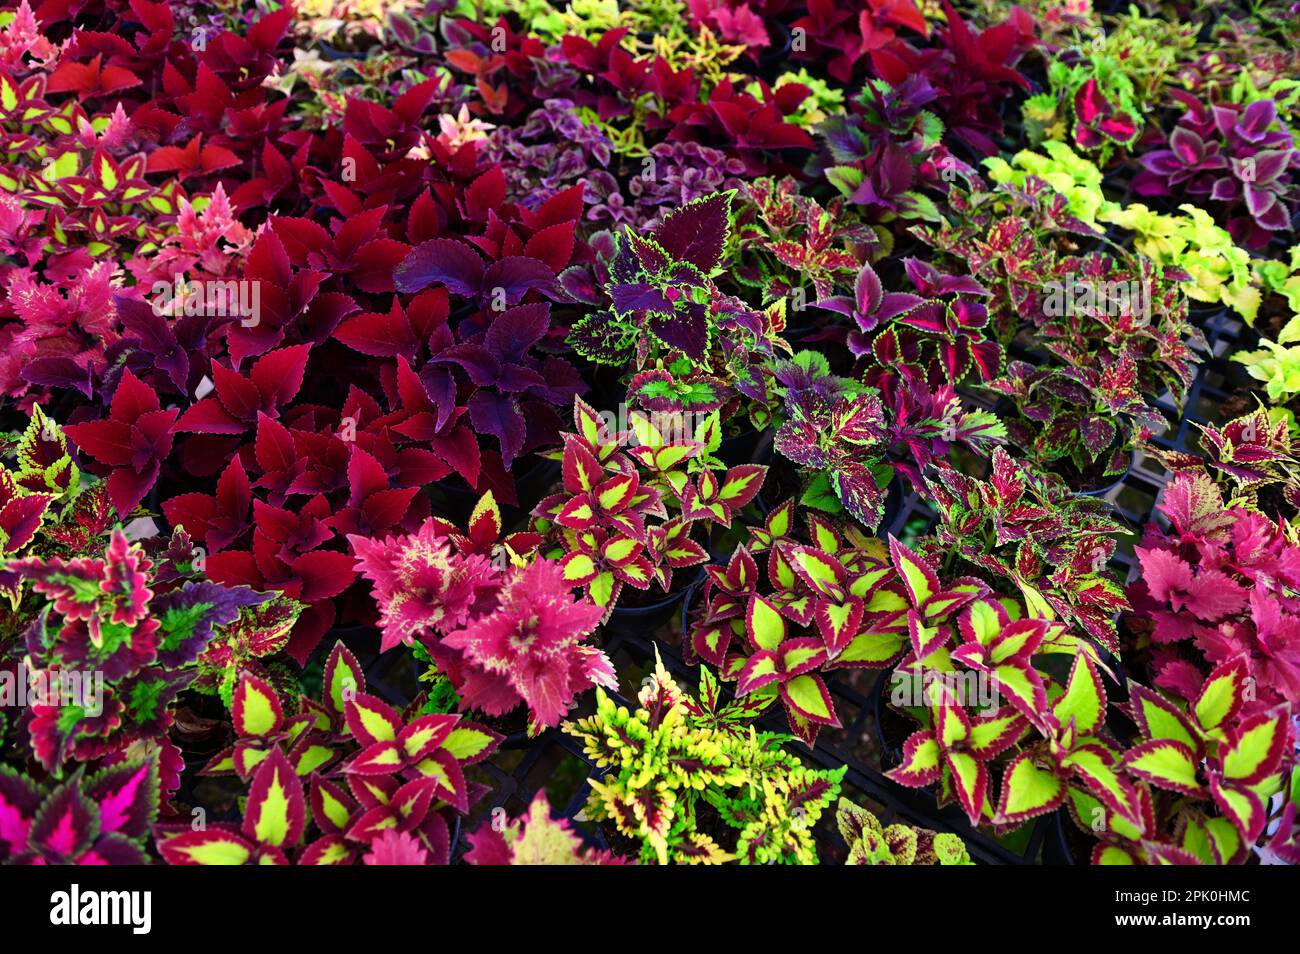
x,y
1220,270
872,843
694,783
1072,175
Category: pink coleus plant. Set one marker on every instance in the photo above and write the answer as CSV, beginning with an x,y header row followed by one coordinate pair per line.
x,y
1224,581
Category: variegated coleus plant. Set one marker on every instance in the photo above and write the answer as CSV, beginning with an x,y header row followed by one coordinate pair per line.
x,y
873,843
345,779
1027,527
534,838
131,629
849,439
977,677
1117,330
105,818
660,311
828,599
629,501
1248,453
48,507
1219,759
696,783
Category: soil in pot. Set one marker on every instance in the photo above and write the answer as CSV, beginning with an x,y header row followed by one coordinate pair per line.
x,y
1092,480
513,725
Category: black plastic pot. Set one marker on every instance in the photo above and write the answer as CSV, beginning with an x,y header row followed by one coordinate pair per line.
x,y
747,447
1103,491
644,620
1056,846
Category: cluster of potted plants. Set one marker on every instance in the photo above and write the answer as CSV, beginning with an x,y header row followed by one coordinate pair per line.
x,y
372,375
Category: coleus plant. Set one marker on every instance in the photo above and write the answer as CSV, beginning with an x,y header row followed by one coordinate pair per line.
x,y
872,843
403,778
830,601
886,153
1093,98
1047,737
1220,749
105,818
1027,528
694,783
1219,586
108,616
785,239
663,303
611,523
504,632
534,838
1232,154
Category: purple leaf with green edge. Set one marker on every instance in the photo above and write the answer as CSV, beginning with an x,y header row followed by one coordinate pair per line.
x,y
686,329
20,798
65,826
275,814
697,231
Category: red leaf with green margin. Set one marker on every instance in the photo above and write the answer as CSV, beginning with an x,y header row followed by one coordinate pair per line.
x,y
212,846
255,709
372,720
922,761
1167,764
697,231
276,811
760,669
1028,791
